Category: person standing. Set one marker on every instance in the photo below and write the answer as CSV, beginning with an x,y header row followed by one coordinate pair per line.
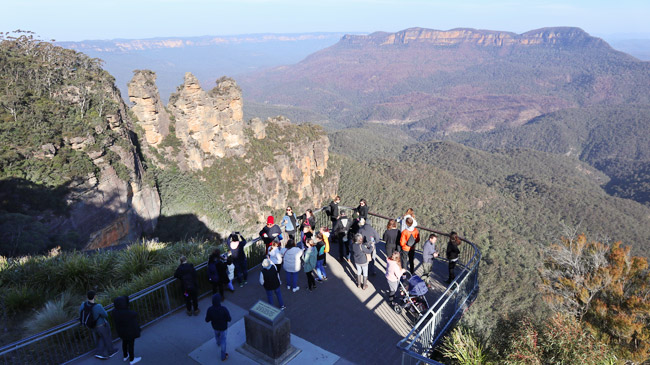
x,y
391,237
187,276
290,223
362,209
219,316
409,214
213,274
270,280
94,316
310,263
340,230
429,252
307,220
222,272
320,256
276,253
127,326
270,231
394,273
333,209
408,239
292,265
370,237
452,255
237,243
361,253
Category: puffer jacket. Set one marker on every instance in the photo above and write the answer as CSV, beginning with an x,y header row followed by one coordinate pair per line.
x,y
292,259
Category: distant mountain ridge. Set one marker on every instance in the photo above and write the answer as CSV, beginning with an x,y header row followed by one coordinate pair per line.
x,y
561,36
456,80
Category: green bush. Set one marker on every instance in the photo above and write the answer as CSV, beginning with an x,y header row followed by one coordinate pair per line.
x,y
55,312
21,299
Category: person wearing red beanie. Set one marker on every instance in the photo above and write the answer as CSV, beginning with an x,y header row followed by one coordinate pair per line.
x,y
270,232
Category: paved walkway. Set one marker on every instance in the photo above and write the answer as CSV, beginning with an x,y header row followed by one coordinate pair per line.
x,y
358,326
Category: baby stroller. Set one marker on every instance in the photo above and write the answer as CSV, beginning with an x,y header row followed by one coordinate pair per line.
x,y
412,296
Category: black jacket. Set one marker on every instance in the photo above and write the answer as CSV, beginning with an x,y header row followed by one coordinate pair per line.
x,y
222,271
334,211
218,314
311,220
362,211
452,251
268,234
391,238
271,278
238,254
368,233
126,321
187,275
340,229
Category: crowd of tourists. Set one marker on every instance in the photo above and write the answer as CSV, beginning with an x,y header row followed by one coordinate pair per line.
x,y
300,247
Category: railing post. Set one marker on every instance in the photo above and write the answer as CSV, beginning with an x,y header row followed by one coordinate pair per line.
x,y
167,300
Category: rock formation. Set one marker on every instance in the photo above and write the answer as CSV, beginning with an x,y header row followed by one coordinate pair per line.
x,y
277,163
147,106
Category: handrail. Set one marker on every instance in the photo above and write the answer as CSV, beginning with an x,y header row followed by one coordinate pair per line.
x,y
69,341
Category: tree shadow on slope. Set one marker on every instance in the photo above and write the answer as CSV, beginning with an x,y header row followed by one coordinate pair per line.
x,y
183,226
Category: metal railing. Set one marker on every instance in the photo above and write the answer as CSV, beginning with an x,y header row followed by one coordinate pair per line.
x,y
70,341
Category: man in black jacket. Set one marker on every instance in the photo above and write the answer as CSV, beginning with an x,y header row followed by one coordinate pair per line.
x,y
127,327
187,275
340,230
370,237
333,210
219,316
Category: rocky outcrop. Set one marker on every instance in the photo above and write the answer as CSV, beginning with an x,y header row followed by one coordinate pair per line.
x,y
152,117
209,124
117,205
544,36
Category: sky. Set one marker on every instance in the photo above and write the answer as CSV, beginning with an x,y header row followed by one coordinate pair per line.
x,y
76,20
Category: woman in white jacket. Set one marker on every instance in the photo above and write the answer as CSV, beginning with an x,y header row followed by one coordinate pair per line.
x,y
292,263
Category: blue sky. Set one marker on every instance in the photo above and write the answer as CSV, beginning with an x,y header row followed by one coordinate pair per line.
x,y
74,20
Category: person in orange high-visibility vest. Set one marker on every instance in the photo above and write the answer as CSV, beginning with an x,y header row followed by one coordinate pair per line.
x,y
408,239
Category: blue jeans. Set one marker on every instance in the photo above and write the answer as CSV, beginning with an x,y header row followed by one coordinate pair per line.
x,y
320,270
292,279
220,336
278,293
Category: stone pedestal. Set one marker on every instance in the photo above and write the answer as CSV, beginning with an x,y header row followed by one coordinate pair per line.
x,y
268,335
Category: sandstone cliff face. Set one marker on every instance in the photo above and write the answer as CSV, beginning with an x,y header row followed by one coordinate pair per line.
x,y
544,36
112,207
210,124
276,163
147,106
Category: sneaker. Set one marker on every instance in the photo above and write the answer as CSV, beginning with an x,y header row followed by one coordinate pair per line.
x,y
283,307
225,358
245,282
197,311
288,287
189,313
135,360
113,354
126,358
241,285
296,289
101,357
324,277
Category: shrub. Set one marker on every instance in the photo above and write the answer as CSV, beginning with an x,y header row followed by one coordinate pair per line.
x,y
463,348
20,299
55,312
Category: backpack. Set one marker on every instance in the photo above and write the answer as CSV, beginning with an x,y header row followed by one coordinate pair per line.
x,y
86,318
411,241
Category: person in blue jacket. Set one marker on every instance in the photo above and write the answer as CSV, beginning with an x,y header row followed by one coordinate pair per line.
x,y
290,222
219,316
102,330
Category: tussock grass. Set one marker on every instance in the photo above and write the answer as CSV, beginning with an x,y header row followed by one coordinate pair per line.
x,y
55,312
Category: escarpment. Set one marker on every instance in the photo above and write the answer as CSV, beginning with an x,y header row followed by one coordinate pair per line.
x,y
244,170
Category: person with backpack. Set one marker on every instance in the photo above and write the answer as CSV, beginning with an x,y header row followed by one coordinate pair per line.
x,y
340,230
93,316
371,238
292,262
187,276
236,242
270,280
127,326
219,316
408,239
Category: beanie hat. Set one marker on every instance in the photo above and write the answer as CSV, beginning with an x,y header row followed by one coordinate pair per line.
x,y
269,220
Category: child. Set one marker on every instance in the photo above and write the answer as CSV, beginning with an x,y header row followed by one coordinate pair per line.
x,y
320,259
394,272
310,263
429,252
230,265
219,316
276,253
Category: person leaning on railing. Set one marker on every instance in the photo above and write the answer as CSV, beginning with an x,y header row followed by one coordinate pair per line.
x,y
452,255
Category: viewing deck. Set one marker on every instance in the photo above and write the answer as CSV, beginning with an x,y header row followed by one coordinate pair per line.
x,y
339,323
